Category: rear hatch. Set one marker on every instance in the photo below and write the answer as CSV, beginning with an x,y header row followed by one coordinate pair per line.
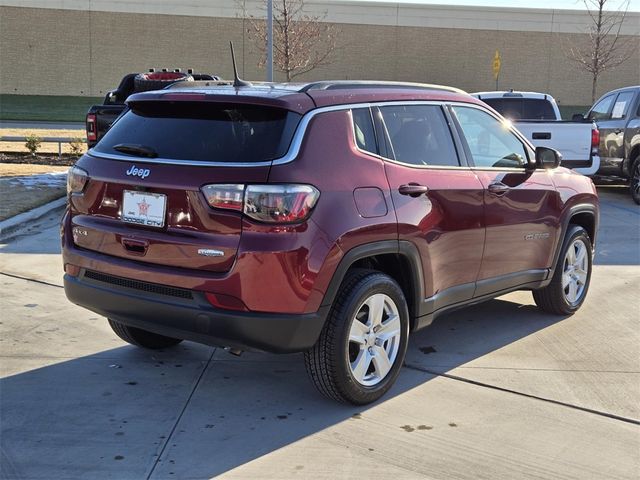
x,y
143,200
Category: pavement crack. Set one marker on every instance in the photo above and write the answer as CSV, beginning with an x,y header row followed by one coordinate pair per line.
x,y
563,370
184,409
43,282
612,416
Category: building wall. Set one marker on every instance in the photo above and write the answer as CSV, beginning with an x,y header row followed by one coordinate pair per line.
x,y
81,48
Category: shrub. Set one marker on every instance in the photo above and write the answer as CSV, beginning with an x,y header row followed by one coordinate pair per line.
x,y
76,146
33,144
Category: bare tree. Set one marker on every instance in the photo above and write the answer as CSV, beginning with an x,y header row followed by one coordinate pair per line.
x,y
605,49
301,42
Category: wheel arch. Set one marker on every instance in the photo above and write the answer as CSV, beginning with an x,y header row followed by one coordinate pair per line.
x,y
392,257
585,215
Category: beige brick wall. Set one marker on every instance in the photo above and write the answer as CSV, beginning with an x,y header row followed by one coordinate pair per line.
x,y
76,52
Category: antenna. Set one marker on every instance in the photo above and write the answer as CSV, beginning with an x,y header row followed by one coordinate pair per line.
x,y
237,81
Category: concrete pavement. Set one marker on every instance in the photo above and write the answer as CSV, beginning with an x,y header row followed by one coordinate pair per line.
x,y
499,390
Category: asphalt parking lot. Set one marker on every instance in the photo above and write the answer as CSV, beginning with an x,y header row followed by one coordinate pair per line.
x,y
499,390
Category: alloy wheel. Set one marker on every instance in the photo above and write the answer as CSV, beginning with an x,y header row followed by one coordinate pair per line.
x,y
575,273
374,339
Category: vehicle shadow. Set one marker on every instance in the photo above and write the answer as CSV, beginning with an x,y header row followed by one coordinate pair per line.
x,y
197,412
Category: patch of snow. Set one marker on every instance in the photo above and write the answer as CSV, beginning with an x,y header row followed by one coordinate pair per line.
x,y
51,179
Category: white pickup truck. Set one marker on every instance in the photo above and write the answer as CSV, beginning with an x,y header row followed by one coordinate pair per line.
x,y
537,117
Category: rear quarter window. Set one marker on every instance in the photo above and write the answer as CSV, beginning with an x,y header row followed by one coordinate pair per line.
x,y
204,131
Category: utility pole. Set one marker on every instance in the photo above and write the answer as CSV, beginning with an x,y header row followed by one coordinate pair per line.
x,y
269,40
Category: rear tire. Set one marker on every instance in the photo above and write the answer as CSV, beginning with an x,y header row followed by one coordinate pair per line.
x,y
634,184
363,343
568,288
142,338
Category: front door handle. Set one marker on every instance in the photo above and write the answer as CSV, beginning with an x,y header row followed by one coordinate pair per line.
x,y
498,188
617,131
413,189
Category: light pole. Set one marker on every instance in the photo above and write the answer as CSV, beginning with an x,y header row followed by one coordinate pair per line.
x,y
269,40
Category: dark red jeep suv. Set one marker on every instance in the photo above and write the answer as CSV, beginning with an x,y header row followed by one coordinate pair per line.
x,y
329,218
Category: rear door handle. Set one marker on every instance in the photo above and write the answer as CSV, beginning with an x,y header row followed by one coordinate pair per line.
x,y
413,189
498,188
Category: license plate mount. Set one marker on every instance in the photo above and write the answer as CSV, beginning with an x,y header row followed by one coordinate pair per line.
x,y
144,208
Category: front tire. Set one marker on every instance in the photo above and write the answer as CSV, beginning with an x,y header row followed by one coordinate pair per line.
x,y
568,288
363,343
142,338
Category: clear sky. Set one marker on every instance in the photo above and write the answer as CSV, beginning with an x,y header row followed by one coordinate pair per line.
x,y
634,5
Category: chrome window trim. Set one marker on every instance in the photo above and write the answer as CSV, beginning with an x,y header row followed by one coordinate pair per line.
x,y
171,161
298,138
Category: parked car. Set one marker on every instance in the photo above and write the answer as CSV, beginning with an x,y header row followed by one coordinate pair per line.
x,y
100,117
537,116
617,115
330,218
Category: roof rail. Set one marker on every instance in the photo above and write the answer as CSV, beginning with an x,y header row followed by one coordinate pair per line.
x,y
342,84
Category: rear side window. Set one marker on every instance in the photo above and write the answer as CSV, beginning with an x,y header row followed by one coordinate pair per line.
x,y
420,135
203,131
622,104
522,108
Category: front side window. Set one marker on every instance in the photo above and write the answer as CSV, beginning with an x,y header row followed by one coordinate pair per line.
x,y
420,135
600,110
491,142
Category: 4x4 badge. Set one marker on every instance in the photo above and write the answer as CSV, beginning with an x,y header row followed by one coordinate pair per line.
x,y
138,172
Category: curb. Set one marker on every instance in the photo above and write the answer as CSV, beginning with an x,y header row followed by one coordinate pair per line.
x,y
9,226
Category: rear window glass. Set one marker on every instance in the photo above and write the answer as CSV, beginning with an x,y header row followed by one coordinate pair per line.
x,y
203,131
522,108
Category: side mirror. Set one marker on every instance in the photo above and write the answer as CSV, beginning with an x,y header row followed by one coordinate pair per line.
x,y
547,158
578,117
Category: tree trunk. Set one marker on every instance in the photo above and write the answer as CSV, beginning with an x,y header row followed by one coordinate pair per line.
x,y
594,86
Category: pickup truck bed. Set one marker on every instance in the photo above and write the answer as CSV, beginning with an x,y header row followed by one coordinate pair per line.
x,y
573,140
100,117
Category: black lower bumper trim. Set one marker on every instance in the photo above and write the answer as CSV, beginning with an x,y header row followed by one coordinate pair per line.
x,y
195,319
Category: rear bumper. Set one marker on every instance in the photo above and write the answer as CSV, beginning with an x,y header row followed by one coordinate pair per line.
x,y
187,315
585,167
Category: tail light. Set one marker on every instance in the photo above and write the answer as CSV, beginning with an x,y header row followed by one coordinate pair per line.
x,y
77,178
285,203
595,140
92,134
230,196
279,203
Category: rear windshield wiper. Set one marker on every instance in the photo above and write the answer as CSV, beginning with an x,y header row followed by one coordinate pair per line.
x,y
137,150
